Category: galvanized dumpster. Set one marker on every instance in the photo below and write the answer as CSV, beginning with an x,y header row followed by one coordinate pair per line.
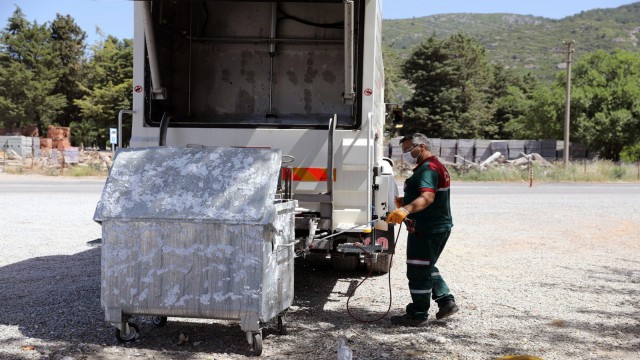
x,y
196,232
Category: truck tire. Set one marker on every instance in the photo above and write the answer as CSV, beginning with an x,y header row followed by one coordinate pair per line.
x,y
344,262
381,265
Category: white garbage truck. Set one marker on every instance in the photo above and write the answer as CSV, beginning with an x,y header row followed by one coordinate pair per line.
x,y
303,76
300,81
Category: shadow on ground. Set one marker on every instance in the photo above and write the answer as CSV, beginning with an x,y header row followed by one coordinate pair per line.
x,y
69,312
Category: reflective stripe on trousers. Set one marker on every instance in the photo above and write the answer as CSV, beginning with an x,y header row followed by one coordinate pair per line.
x,y
425,280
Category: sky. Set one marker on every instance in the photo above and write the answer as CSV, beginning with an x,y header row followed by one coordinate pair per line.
x,y
115,17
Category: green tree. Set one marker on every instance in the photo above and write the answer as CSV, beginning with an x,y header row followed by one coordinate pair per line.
x,y
395,88
84,133
540,114
14,79
29,74
631,153
68,41
606,102
510,93
108,84
451,80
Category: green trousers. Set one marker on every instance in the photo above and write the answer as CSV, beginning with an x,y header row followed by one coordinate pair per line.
x,y
425,281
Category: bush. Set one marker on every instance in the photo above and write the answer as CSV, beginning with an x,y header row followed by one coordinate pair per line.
x,y
85,171
619,172
630,153
583,171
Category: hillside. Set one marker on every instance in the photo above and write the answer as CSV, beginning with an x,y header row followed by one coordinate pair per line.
x,y
527,43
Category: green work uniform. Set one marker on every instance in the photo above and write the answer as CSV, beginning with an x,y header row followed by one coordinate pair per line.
x,y
429,231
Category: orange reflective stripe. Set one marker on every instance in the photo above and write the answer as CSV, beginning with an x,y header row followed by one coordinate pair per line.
x,y
310,174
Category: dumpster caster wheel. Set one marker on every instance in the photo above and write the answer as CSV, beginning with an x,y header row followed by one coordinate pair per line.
x,y
159,321
257,344
282,327
134,333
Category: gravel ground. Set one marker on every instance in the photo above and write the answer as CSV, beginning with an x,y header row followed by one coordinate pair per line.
x,y
552,271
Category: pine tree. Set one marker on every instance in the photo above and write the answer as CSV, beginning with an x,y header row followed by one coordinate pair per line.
x,y
30,72
451,80
68,40
107,87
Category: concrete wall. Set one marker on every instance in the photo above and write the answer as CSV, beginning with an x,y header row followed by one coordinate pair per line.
x,y
478,150
23,145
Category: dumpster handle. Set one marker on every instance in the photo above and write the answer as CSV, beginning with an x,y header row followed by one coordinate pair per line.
x,y
289,244
274,248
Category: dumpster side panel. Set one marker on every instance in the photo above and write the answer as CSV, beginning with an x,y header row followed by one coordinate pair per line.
x,y
279,263
171,268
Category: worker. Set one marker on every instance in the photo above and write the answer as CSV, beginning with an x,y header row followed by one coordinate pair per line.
x,y
426,212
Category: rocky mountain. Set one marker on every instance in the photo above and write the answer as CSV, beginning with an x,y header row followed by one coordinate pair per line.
x,y
527,43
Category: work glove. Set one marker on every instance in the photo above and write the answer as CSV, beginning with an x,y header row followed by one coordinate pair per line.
x,y
397,201
397,216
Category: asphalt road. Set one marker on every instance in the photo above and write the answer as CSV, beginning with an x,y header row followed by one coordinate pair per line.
x,y
25,184
43,215
43,207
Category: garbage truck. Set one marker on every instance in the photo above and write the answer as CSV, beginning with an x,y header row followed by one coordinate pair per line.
x,y
301,80
303,76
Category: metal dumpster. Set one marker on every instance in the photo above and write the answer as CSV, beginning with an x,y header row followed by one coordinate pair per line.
x,y
196,232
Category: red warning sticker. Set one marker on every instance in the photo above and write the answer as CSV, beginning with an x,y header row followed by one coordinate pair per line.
x,y
368,91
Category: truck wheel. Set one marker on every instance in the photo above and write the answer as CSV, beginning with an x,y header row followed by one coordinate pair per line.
x,y
382,264
344,262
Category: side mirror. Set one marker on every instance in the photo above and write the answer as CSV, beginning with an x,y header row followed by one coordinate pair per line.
x,y
397,116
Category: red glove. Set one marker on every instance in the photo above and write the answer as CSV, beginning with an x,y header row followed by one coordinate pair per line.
x,y
397,216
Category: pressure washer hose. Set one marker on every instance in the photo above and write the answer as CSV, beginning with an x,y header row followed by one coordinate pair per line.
x,y
367,277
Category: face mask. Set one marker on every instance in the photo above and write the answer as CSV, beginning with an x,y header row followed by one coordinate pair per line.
x,y
408,159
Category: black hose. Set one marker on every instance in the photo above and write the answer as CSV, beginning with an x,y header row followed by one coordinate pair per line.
x,y
164,125
367,277
337,25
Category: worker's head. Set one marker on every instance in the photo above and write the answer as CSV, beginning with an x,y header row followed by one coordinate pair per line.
x,y
415,147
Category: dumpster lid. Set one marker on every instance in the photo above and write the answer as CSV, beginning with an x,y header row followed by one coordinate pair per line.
x,y
197,183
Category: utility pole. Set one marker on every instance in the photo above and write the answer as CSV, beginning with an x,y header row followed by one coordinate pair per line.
x,y
567,104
